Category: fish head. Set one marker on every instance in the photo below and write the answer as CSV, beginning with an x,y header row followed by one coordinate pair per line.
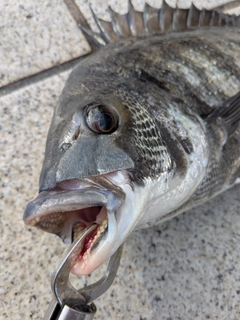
x,y
106,162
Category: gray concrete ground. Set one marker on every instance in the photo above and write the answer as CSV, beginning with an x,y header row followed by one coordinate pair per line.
x,y
187,268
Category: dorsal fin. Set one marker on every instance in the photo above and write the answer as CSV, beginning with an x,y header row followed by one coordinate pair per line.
x,y
152,21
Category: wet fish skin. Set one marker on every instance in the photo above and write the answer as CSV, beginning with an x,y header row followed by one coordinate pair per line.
x,y
177,99
144,81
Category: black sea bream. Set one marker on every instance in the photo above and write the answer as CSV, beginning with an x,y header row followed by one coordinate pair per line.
x,y
146,128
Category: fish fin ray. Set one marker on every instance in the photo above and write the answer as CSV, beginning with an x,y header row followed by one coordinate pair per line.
x,y
135,20
193,17
153,20
166,17
180,19
93,36
229,112
224,8
120,23
104,27
107,30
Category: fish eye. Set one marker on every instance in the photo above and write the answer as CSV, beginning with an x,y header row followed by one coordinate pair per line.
x,y
102,119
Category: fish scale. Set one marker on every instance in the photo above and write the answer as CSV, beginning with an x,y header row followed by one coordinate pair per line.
x,y
156,110
194,55
147,138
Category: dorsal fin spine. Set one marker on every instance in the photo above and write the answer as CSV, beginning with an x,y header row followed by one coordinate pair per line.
x,y
99,25
153,20
120,23
193,17
131,20
115,26
95,37
166,17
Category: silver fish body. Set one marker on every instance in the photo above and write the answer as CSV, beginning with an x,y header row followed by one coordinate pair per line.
x,y
146,128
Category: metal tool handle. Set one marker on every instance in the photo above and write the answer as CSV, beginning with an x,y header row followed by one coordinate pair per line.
x,y
68,302
68,313
55,312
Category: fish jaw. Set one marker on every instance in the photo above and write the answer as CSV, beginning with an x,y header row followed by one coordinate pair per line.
x,y
72,203
120,225
90,260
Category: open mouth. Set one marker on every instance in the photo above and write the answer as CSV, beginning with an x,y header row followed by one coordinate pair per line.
x,y
69,225
73,206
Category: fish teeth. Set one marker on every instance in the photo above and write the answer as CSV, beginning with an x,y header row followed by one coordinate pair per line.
x,y
100,231
101,228
77,231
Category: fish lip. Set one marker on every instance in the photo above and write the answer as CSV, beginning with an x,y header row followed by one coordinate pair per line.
x,y
54,203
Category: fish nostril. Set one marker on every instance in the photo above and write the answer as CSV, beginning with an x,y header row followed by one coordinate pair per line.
x,y
76,134
65,146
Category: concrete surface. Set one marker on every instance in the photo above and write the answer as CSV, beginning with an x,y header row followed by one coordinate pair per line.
x,y
36,35
187,268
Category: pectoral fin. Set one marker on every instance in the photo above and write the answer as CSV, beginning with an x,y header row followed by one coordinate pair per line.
x,y
229,113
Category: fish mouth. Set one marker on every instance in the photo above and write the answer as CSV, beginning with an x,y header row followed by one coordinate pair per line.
x,y
72,206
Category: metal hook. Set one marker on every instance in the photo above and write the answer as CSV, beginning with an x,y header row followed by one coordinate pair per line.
x,y
71,299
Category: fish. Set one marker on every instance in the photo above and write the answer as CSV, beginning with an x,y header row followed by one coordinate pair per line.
x,y
147,127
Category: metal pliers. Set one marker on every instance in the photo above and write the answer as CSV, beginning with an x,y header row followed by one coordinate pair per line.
x,y
72,304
